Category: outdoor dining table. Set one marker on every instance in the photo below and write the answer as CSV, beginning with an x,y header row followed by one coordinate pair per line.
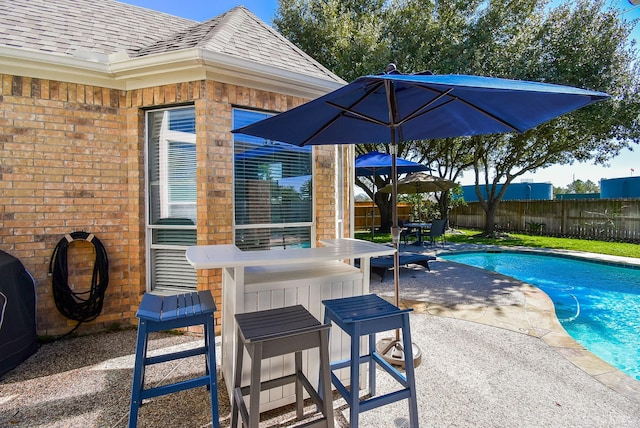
x,y
269,279
422,228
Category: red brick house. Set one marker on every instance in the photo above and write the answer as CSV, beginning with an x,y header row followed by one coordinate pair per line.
x,y
116,120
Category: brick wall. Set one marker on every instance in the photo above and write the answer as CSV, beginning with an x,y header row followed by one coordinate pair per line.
x,y
64,168
325,191
72,158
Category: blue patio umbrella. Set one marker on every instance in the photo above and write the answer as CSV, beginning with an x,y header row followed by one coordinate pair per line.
x,y
375,163
393,107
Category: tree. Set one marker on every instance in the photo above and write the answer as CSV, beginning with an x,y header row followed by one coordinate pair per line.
x,y
450,157
582,44
343,35
346,36
359,37
579,186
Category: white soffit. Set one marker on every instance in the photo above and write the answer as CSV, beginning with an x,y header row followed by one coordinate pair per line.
x,y
122,72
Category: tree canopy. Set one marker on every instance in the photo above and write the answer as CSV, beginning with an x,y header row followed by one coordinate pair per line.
x,y
578,186
583,44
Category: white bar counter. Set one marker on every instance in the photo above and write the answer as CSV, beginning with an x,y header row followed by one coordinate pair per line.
x,y
267,279
223,256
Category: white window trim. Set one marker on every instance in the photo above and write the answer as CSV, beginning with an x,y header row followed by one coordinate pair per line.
x,y
164,137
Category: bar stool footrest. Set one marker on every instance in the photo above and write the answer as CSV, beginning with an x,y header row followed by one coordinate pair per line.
x,y
340,387
383,400
384,364
174,387
281,381
175,356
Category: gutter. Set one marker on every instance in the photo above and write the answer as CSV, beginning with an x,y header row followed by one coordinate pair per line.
x,y
119,71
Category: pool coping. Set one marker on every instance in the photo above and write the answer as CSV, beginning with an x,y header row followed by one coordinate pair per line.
x,y
537,316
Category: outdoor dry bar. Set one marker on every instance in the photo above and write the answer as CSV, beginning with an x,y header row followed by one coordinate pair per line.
x,y
269,279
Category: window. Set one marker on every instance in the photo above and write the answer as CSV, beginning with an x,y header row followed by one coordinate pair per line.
x,y
272,190
171,193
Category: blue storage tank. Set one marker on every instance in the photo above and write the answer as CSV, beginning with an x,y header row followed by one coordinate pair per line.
x,y
515,192
627,187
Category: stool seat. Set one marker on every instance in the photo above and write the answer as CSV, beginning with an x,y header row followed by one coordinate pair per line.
x,y
160,313
364,316
276,323
274,332
369,307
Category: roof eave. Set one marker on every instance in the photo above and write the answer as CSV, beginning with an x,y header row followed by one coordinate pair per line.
x,y
51,66
233,70
122,72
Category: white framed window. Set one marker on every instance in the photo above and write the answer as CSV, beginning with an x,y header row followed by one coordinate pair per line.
x,y
171,198
273,190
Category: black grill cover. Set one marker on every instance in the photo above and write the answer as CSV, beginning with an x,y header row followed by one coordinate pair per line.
x,y
18,338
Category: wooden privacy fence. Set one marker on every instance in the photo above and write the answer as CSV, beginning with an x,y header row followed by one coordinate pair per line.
x,y
602,219
363,214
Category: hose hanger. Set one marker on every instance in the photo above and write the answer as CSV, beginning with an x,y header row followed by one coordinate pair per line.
x,y
79,306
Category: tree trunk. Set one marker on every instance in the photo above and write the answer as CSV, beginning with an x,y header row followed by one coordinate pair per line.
x,y
383,201
490,220
443,204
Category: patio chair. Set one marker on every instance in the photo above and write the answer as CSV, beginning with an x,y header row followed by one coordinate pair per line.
x,y
380,265
407,232
437,230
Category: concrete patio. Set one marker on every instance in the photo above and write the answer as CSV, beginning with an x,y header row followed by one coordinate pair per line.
x,y
493,355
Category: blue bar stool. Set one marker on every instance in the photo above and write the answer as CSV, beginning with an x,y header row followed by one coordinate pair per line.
x,y
275,332
160,313
364,316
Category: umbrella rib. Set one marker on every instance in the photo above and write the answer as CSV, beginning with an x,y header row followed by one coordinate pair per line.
x,y
343,111
422,112
486,113
357,115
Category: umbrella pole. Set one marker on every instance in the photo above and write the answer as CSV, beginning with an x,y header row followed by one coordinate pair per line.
x,y
419,201
395,230
391,349
373,206
373,217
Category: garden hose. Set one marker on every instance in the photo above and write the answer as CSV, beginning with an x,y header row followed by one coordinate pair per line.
x,y
79,306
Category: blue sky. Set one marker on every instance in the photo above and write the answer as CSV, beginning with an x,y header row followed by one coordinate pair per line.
x,y
202,10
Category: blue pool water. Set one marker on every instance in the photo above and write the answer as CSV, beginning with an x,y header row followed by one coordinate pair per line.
x,y
597,304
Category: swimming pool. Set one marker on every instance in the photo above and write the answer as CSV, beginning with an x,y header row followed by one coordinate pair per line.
x,y
597,304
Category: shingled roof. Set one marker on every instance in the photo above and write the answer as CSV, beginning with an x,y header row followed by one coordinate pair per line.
x,y
241,34
121,36
66,26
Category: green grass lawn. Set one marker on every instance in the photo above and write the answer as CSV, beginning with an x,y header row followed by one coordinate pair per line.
x,y
513,239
